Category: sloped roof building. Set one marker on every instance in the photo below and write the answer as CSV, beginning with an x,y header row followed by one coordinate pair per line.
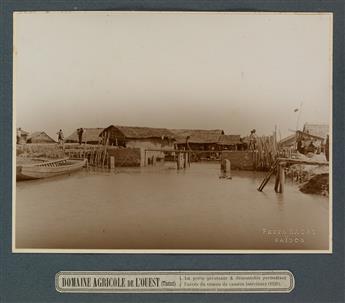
x,y
39,137
134,136
197,136
319,130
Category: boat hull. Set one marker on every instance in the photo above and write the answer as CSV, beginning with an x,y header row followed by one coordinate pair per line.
x,y
49,169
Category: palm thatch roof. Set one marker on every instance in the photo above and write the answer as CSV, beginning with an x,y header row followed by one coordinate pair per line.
x,y
35,134
288,141
135,132
229,140
197,135
89,135
319,130
40,136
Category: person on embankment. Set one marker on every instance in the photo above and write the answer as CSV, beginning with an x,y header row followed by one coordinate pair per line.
x,y
80,132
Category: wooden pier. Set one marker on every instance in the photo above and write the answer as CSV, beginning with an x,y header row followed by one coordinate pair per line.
x,y
96,155
243,160
278,168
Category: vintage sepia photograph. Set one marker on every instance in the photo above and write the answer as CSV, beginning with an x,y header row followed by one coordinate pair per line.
x,y
172,132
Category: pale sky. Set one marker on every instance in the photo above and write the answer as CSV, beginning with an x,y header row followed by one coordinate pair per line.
x,y
230,71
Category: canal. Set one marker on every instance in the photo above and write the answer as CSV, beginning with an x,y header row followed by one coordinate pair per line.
x,y
162,208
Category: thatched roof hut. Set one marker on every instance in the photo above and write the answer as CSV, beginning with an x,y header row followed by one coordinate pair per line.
x,y
90,136
145,132
198,136
123,135
230,140
39,137
135,132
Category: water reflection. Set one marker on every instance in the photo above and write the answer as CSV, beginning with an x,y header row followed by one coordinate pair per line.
x,y
280,200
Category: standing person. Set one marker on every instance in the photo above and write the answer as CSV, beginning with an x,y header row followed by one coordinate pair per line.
x,y
19,135
80,135
252,140
60,136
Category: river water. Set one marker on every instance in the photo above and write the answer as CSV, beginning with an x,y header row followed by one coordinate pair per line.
x,y
162,208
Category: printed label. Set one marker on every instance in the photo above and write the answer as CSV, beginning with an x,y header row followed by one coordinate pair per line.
x,y
277,281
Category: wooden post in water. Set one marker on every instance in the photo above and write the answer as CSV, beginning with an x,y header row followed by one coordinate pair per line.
x,y
268,176
222,168
178,161
96,158
225,169
276,184
228,168
281,177
112,162
105,149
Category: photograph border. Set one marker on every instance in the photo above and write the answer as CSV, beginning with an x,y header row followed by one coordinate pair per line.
x,y
177,251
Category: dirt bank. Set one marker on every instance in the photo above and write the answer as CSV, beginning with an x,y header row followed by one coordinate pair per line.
x,y
313,179
318,184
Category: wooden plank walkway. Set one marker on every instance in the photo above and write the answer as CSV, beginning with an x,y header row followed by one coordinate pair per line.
x,y
300,161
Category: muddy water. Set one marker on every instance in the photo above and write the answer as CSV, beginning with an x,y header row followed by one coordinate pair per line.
x,y
162,208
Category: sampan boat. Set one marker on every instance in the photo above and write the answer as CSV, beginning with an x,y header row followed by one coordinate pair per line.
x,y
48,169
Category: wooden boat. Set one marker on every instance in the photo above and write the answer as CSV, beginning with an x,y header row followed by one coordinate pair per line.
x,y
48,169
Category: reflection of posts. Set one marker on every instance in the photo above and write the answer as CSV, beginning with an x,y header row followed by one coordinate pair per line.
x,y
112,162
280,178
225,169
180,160
185,160
228,169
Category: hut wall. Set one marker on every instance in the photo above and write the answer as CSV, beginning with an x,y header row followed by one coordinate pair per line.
x,y
152,143
193,146
126,156
92,142
244,160
115,135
